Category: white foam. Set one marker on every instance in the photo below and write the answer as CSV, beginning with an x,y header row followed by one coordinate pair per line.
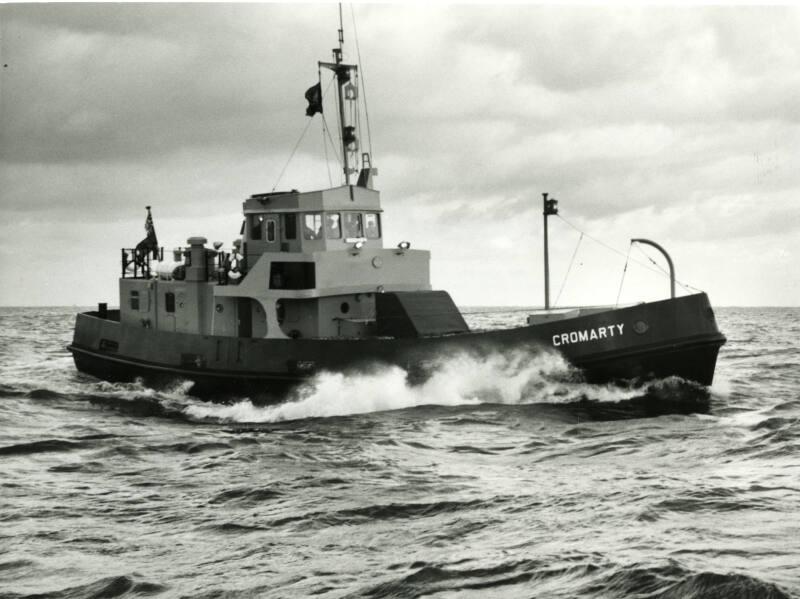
x,y
462,379
723,384
177,392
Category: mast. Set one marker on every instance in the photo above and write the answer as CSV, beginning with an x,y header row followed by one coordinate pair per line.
x,y
550,207
346,91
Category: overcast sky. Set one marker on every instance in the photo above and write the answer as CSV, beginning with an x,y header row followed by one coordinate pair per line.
x,y
681,125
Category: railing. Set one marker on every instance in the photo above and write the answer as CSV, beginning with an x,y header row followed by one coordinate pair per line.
x,y
140,260
136,264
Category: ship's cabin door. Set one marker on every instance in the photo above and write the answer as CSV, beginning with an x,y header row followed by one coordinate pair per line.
x,y
244,317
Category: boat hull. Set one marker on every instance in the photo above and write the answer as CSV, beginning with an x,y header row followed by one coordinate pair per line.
x,y
676,337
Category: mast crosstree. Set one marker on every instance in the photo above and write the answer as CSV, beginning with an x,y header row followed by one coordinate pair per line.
x,y
347,101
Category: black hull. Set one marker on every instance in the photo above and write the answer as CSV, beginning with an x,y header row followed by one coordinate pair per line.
x,y
677,337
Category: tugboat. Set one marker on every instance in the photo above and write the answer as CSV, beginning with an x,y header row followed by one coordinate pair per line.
x,y
310,287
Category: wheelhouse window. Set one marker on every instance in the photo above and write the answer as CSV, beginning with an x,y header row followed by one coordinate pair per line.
x,y
169,302
372,225
333,226
312,226
352,224
134,300
290,226
256,226
272,230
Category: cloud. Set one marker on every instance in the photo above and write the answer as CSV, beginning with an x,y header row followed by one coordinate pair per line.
x,y
680,122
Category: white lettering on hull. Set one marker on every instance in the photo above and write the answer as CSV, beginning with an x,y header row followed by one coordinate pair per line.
x,y
605,332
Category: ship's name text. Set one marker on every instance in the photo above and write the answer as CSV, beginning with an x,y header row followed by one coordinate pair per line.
x,y
611,330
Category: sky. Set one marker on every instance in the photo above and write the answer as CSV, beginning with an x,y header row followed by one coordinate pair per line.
x,y
676,124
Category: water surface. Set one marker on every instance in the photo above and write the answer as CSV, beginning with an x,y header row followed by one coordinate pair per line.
x,y
505,477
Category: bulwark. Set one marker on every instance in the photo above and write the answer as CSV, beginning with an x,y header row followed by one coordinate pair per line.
x,y
611,330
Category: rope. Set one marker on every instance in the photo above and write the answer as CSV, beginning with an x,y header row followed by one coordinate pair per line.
x,y
363,82
685,286
302,135
624,270
327,130
564,282
605,245
333,144
325,148
660,270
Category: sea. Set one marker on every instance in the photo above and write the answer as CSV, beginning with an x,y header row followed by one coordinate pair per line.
x,y
505,476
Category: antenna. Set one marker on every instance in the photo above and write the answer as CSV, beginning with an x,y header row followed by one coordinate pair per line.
x,y
341,30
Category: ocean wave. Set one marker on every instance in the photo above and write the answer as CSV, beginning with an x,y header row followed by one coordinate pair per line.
x,y
246,495
137,399
44,445
514,378
709,585
559,578
104,588
383,512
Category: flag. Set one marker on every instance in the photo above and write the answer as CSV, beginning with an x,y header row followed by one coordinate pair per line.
x,y
314,97
150,242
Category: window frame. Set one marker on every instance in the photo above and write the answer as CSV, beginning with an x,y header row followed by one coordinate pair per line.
x,y
377,224
338,225
289,233
272,224
359,219
317,226
169,300
256,227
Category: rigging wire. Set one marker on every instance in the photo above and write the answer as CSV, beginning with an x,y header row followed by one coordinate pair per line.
x,y
564,282
605,245
656,264
661,271
325,149
283,170
302,135
326,130
363,82
685,286
624,270
333,144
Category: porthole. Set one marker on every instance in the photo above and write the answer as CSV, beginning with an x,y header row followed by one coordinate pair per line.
x,y
641,327
219,308
345,307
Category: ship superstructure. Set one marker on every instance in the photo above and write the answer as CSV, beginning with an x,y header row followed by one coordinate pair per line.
x,y
310,285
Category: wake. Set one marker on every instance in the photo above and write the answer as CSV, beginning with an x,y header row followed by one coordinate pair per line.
x,y
517,377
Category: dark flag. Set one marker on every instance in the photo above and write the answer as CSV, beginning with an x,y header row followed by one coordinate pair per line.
x,y
314,97
149,243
